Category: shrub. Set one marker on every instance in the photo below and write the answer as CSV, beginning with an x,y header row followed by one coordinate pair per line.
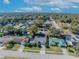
x,y
72,50
47,46
30,45
35,44
39,44
9,46
26,44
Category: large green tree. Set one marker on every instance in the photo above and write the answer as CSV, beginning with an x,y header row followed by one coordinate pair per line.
x,y
54,32
39,21
33,28
75,25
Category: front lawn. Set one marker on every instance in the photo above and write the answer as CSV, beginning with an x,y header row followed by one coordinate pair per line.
x,y
11,57
54,50
33,49
7,57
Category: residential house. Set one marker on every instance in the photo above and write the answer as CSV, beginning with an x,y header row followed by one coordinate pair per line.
x,y
57,41
42,29
21,39
39,37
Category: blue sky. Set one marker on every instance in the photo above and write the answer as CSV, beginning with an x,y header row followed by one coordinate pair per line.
x,y
58,6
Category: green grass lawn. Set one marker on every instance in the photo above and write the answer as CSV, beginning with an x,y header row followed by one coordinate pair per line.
x,y
7,57
1,33
33,49
53,50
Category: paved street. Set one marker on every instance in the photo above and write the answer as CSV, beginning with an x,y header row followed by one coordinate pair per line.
x,y
34,55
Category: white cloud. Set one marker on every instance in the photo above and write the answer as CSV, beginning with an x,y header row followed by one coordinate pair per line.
x,y
29,9
73,1
75,6
55,3
6,1
47,1
61,4
57,10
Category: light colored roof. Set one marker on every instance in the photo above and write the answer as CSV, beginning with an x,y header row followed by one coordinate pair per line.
x,y
20,39
2,39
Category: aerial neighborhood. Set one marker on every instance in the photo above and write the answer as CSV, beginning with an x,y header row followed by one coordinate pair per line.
x,y
40,33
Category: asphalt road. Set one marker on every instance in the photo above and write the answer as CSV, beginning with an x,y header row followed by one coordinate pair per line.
x,y
34,55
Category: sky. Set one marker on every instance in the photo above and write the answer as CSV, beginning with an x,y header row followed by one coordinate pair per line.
x,y
56,6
